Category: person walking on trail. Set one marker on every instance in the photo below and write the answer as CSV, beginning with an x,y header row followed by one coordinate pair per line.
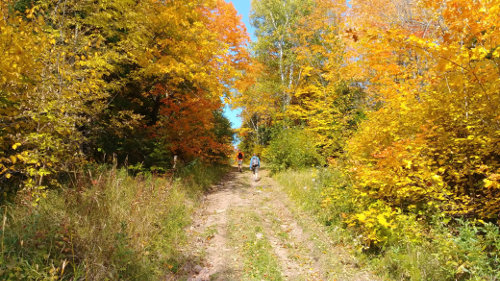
x,y
255,165
239,160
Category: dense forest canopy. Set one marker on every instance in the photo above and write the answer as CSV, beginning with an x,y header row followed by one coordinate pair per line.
x,y
137,80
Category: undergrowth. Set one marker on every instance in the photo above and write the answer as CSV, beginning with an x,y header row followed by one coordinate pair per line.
x,y
112,226
415,246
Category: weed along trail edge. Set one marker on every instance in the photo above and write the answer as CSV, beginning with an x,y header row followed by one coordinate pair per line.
x,y
250,230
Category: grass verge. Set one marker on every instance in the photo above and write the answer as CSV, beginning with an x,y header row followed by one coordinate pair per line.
x,y
112,227
437,248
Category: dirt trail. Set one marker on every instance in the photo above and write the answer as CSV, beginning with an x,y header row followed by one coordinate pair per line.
x,y
250,230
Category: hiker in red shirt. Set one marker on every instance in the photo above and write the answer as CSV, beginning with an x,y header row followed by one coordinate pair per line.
x,y
239,159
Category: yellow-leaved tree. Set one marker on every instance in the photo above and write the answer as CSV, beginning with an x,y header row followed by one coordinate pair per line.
x,y
48,91
433,138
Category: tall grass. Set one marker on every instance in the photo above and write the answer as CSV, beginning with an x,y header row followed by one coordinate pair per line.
x,y
438,248
113,227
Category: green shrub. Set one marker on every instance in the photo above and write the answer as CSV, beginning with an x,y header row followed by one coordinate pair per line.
x,y
477,251
292,148
197,176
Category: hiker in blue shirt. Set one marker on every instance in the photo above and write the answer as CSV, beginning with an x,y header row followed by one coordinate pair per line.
x,y
255,165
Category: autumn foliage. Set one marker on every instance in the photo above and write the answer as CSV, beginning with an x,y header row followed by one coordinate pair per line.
x,y
434,140
403,96
142,80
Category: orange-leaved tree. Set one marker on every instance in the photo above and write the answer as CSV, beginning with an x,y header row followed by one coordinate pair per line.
x,y
194,67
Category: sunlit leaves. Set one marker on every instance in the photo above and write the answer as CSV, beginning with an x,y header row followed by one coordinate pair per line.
x,y
85,79
435,137
430,141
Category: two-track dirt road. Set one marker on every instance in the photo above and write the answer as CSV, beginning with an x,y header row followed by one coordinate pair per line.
x,y
250,230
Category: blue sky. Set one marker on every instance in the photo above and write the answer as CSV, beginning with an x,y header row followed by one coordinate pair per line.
x,y
243,8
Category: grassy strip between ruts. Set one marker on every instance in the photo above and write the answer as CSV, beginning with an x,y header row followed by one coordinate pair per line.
x,y
246,233
458,250
112,227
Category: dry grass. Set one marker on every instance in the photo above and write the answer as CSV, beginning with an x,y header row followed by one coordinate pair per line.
x,y
117,227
